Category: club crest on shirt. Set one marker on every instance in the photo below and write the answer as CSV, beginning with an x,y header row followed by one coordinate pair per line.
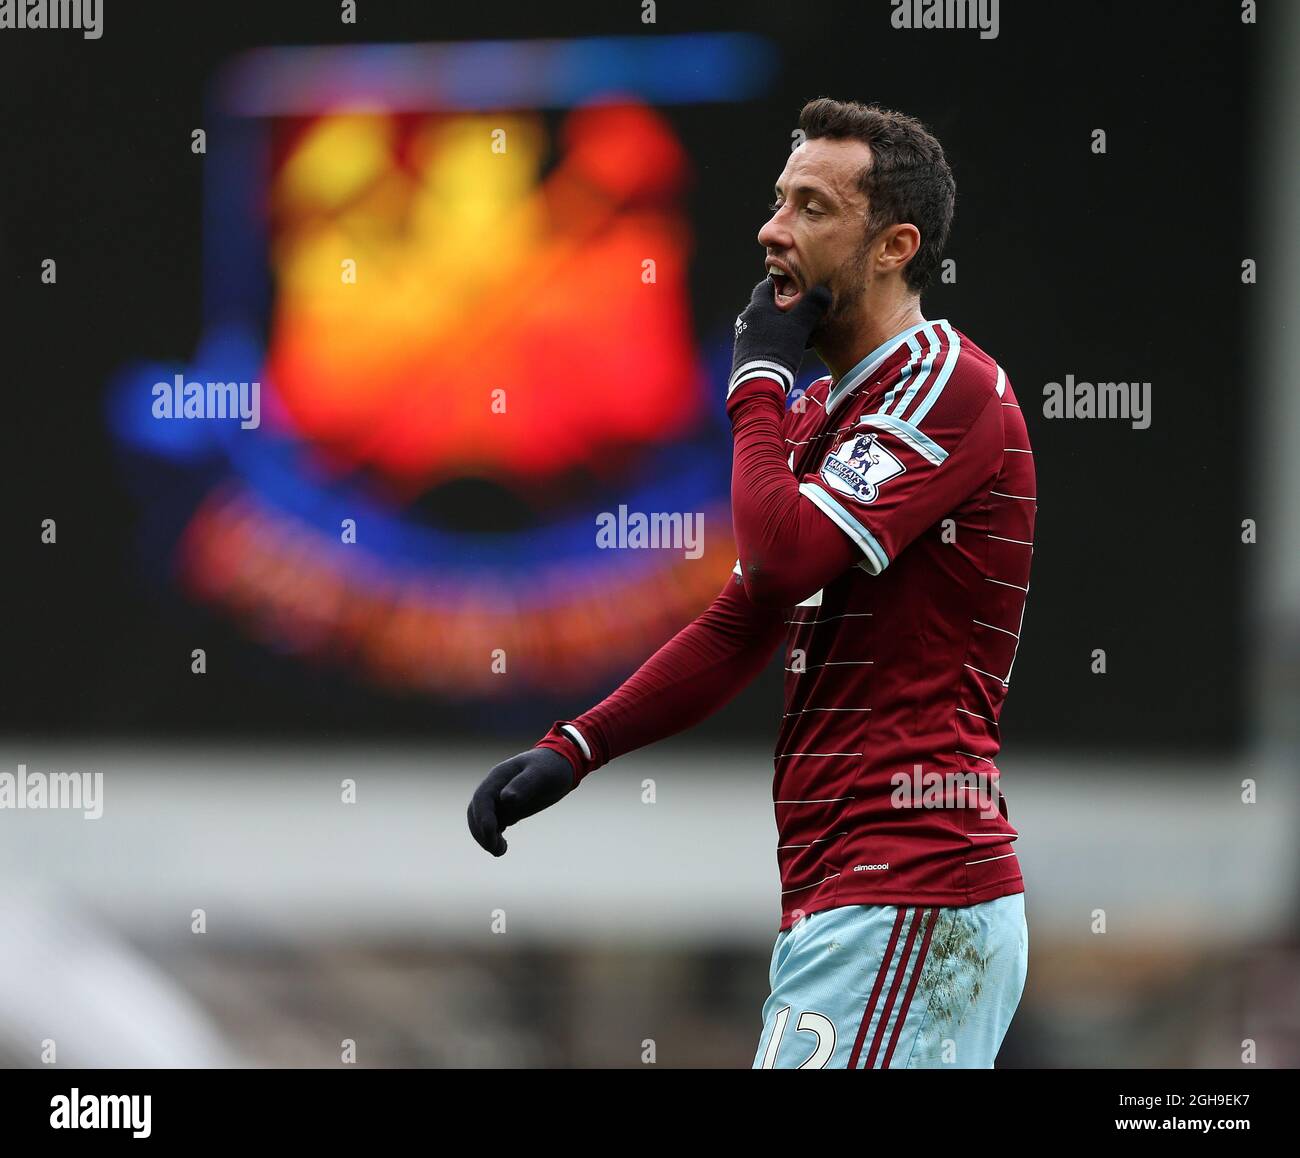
x,y
859,466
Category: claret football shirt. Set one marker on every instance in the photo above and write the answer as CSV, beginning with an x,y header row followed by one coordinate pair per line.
x,y
885,786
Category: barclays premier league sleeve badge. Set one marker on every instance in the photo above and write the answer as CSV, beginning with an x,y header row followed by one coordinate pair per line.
x,y
859,466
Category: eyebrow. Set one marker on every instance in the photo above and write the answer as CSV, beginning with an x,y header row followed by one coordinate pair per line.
x,y
807,190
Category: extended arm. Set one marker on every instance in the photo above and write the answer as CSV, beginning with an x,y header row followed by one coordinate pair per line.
x,y
694,674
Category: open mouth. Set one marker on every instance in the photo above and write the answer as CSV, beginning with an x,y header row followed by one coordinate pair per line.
x,y
787,289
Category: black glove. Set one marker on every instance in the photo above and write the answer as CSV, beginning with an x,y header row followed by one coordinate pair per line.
x,y
514,789
770,341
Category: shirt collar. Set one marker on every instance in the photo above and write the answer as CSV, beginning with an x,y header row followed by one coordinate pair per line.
x,y
872,362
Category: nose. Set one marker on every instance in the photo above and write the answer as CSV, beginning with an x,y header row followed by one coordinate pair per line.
x,y
775,234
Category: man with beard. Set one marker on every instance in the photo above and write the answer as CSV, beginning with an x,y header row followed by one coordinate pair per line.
x,y
884,526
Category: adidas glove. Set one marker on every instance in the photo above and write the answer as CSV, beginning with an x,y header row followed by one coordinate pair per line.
x,y
770,341
517,788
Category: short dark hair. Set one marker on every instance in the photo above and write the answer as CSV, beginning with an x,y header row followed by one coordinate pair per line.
x,y
908,179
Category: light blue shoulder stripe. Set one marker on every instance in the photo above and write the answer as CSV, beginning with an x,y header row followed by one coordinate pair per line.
x,y
927,364
950,364
906,376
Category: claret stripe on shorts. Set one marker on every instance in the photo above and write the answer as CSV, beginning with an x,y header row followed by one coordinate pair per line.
x,y
881,974
911,988
895,968
899,970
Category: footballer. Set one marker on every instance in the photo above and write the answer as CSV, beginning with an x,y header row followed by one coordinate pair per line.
x,y
884,524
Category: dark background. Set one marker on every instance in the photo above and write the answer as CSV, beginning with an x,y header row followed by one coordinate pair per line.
x,y
1117,267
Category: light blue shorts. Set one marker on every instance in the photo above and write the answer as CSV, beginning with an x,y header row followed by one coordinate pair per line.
x,y
899,987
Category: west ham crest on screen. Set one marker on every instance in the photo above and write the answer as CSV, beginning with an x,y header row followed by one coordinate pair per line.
x,y
859,466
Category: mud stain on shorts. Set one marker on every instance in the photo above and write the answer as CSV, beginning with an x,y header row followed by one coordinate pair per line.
x,y
955,970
